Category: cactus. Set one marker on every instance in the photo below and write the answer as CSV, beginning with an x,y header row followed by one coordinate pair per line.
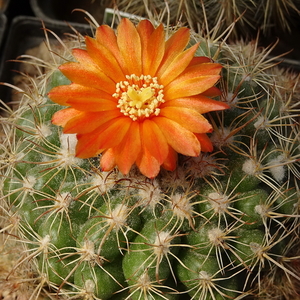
x,y
222,225
249,16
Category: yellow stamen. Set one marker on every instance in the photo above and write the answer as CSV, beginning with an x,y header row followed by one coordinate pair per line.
x,y
139,96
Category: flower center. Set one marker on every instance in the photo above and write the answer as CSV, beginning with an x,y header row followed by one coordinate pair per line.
x,y
139,96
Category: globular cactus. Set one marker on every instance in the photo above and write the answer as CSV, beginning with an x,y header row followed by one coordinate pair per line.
x,y
223,224
249,16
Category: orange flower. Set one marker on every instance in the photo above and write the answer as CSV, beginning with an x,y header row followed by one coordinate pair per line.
x,y
138,98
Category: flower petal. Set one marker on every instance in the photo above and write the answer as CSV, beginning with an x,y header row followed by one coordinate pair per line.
x,y
180,139
106,36
189,87
154,140
128,151
62,117
178,65
145,29
187,118
153,46
104,59
92,104
205,142
85,72
82,97
107,161
200,60
170,162
173,47
194,80
89,121
212,92
200,103
108,135
130,46
147,164
202,69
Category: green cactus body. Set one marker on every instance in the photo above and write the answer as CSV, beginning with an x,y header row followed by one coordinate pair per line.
x,y
212,229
